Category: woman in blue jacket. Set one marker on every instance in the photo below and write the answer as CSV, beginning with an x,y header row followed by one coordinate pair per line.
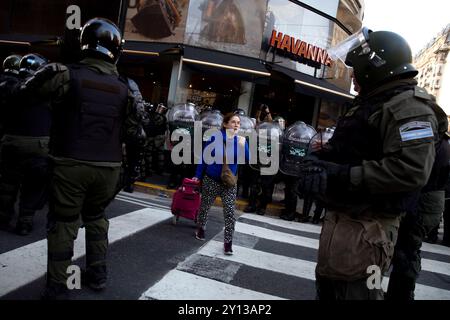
x,y
212,185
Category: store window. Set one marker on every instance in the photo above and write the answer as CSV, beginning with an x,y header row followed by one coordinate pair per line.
x,y
208,89
234,26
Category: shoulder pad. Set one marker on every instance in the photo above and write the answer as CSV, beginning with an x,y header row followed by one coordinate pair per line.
x,y
421,93
406,105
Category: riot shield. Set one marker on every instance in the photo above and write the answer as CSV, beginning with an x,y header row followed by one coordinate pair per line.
x,y
268,134
294,147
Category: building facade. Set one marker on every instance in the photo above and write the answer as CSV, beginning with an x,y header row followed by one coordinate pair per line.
x,y
433,65
222,53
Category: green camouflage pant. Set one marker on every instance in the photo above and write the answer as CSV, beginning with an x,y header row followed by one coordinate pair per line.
x,y
154,154
79,195
24,170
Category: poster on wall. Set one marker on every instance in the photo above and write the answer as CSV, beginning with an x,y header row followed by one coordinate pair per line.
x,y
234,26
156,20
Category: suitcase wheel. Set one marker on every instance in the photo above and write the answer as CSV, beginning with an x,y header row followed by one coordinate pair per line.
x,y
175,219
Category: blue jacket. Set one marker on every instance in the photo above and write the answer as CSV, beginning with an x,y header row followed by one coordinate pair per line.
x,y
214,170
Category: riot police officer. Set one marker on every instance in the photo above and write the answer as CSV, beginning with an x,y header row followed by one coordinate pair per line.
x,y
93,111
24,152
268,134
155,131
295,145
181,119
8,80
371,171
134,150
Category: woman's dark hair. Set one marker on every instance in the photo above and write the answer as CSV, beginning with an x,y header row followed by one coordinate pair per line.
x,y
228,117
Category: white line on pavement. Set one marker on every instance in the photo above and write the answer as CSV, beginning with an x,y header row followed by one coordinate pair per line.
x,y
28,263
180,285
283,223
433,248
263,260
276,235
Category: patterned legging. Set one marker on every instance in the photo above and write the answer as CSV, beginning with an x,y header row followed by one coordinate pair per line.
x,y
210,190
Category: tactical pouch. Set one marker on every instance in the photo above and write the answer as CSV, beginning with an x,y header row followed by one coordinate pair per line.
x,y
348,246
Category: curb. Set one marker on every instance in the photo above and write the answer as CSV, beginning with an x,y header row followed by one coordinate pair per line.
x,y
158,190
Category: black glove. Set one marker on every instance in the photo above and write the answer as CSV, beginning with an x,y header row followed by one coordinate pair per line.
x,y
317,174
312,181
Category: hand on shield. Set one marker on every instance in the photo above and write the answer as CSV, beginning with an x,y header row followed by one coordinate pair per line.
x,y
316,174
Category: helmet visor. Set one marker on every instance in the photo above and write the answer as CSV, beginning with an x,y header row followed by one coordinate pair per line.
x,y
340,50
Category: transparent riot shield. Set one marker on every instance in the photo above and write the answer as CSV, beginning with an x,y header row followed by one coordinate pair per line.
x,y
181,119
211,119
320,139
295,146
268,134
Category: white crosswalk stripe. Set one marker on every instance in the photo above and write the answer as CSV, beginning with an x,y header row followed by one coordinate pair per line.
x,y
28,263
273,260
173,285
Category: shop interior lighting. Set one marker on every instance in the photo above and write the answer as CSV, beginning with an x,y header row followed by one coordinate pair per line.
x,y
223,66
267,74
16,42
147,53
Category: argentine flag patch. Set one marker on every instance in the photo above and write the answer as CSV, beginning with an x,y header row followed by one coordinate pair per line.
x,y
416,130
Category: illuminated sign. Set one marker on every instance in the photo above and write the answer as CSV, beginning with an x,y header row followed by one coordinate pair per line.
x,y
300,50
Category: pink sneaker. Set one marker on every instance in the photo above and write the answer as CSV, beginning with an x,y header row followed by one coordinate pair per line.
x,y
200,234
227,248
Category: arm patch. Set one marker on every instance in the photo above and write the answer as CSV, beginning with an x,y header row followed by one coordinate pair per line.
x,y
416,130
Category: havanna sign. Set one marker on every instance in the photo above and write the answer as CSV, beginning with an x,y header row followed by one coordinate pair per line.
x,y
299,50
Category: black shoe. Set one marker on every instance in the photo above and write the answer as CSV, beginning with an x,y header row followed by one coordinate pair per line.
x,y
289,216
129,188
96,277
55,291
23,228
261,211
302,218
4,224
249,208
315,221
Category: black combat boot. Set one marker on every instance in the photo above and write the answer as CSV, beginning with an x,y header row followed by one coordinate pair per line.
x,y
23,228
250,208
289,216
261,211
55,291
95,277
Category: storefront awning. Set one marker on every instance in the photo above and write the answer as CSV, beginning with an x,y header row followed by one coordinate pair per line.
x,y
250,68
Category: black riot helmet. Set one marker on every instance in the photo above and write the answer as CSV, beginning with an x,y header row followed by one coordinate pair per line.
x,y
11,64
376,57
30,63
101,38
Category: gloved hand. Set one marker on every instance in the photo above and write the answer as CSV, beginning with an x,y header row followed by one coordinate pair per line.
x,y
316,175
312,181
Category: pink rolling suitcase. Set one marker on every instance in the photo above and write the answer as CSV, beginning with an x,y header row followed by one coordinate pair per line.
x,y
186,200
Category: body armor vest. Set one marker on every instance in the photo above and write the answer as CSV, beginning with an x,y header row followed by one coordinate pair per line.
x,y
87,124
